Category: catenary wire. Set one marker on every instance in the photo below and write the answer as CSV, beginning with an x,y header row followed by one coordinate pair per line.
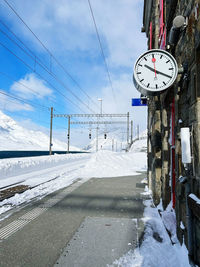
x,y
101,48
49,52
20,83
49,72
23,100
28,66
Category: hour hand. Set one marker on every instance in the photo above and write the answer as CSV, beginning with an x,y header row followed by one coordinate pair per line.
x,y
157,71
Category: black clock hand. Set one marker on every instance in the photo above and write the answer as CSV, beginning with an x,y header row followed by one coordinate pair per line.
x,y
157,71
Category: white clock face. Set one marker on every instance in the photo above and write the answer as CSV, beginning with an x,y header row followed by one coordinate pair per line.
x,y
155,71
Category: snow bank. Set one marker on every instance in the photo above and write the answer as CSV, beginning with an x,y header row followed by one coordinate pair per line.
x,y
156,248
139,146
65,168
112,164
101,164
18,166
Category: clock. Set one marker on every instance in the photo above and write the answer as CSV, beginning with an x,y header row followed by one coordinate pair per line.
x,y
154,71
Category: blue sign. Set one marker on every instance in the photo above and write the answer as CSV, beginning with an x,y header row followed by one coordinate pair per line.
x,y
139,102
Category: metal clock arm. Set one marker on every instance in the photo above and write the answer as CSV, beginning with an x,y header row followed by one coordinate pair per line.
x,y
157,71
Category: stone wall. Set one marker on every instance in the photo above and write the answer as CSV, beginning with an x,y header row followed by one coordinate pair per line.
x,y
186,92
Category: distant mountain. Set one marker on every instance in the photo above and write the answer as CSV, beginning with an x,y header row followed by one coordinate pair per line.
x,y
15,137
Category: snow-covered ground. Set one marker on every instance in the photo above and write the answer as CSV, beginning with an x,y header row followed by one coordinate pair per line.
x,y
15,137
156,249
68,168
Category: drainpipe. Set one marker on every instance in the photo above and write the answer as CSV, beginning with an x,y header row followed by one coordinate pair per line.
x,y
185,181
188,217
173,153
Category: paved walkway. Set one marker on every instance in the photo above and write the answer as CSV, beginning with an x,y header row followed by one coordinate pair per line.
x,y
85,224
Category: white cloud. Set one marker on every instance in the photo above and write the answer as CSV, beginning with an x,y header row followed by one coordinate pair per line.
x,y
11,104
124,91
67,29
66,26
30,87
121,26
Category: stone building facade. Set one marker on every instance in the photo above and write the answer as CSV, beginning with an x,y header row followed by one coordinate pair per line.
x,y
178,107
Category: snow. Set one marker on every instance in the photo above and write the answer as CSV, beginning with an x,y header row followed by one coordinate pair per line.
x,y
112,164
15,137
169,220
182,225
66,168
156,248
12,169
195,198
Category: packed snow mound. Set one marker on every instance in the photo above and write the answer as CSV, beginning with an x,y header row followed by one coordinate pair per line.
x,y
141,144
112,164
15,137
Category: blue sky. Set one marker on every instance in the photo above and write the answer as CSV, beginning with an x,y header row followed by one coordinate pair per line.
x,y
66,29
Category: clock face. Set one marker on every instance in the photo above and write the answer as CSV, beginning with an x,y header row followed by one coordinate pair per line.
x,y
154,72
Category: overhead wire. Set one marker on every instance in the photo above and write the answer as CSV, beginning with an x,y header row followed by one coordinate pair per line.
x,y
17,38
48,51
23,100
39,62
101,48
22,84
46,69
52,86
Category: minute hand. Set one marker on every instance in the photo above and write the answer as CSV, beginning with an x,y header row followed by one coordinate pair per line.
x,y
157,71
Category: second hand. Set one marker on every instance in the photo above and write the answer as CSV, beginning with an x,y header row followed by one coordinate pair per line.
x,y
154,60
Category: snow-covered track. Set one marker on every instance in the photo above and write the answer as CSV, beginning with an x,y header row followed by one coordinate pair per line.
x,y
10,190
20,187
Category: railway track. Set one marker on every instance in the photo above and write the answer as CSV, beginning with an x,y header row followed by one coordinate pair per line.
x,y
10,190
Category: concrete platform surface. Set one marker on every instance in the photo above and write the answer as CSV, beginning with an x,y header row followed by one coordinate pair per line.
x,y
99,241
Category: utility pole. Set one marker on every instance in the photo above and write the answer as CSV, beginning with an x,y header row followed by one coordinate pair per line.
x,y
100,99
97,138
127,128
68,135
98,122
138,132
131,132
51,123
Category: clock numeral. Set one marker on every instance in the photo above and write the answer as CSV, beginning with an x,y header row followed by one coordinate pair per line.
x,y
164,83
140,65
148,85
161,56
152,55
167,61
156,86
145,58
171,68
141,80
138,72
